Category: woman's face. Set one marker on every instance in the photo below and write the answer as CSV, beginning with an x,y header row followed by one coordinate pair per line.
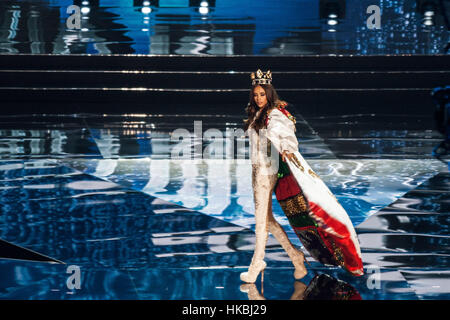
x,y
260,96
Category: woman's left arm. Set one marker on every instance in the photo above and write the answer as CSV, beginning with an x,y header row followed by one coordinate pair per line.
x,y
281,133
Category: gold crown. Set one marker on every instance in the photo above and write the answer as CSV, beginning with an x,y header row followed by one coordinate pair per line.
x,y
261,77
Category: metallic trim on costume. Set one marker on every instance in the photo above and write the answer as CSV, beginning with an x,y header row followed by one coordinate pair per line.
x,y
338,255
313,174
281,106
297,162
294,205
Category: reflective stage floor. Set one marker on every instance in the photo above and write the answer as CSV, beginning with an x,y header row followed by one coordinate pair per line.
x,y
102,193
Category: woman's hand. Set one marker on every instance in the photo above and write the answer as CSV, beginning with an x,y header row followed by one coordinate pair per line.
x,y
286,155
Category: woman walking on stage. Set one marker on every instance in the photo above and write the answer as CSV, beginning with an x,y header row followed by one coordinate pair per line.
x,y
317,218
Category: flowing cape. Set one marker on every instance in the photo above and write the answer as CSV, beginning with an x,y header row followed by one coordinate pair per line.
x,y
321,223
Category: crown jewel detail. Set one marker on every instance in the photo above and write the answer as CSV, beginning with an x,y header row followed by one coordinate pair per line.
x,y
261,77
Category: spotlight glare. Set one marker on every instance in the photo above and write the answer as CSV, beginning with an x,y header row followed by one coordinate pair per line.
x,y
146,3
146,10
203,10
204,4
332,22
85,10
332,16
429,13
428,21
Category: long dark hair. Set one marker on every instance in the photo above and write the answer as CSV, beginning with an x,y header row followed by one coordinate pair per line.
x,y
252,108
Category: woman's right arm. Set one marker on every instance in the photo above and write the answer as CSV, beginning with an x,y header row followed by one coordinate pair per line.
x,y
281,132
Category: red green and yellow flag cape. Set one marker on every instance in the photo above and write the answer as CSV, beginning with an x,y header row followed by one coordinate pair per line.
x,y
321,223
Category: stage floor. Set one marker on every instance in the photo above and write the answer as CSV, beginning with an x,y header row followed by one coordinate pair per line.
x,y
104,194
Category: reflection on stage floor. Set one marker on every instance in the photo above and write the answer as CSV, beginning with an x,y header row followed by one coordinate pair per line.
x,y
105,196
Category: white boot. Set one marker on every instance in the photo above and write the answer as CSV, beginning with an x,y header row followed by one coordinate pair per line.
x,y
297,257
258,264
262,195
253,271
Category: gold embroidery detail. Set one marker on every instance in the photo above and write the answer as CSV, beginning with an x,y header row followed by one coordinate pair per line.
x,y
294,205
338,254
263,185
269,148
313,174
297,163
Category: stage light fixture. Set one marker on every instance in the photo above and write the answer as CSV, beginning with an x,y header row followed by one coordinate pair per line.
x,y
203,10
332,11
143,3
146,7
428,9
428,21
87,3
332,22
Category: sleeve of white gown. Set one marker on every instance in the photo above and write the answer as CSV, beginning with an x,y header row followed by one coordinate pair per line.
x,y
281,132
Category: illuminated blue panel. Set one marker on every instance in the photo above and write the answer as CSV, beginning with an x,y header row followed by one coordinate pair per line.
x,y
174,3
